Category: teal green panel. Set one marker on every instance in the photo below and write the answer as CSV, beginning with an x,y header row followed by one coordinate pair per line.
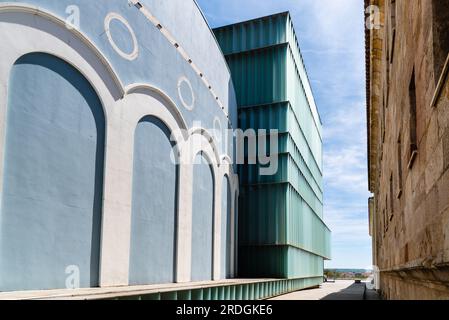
x,y
214,294
306,229
232,293
259,76
279,262
184,295
239,293
302,73
154,296
288,172
169,296
273,214
267,116
207,293
221,293
262,214
280,116
197,294
251,292
227,293
253,34
245,292
301,107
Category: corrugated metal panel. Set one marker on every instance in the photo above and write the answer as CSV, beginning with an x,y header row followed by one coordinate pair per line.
x,y
273,214
303,159
288,172
263,215
269,76
269,116
279,262
299,62
305,228
308,128
280,116
259,76
265,32
253,34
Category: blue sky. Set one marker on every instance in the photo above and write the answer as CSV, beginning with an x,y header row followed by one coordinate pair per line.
x,y
331,36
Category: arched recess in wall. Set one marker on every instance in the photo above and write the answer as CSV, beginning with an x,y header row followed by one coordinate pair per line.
x,y
154,205
202,219
53,177
226,225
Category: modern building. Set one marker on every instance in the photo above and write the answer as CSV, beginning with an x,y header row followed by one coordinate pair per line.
x,y
117,166
408,146
94,97
282,233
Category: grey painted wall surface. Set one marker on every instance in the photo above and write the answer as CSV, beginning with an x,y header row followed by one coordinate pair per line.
x,y
193,32
202,218
158,63
154,205
52,187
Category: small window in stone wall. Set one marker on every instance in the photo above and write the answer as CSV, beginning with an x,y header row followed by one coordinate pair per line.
x,y
440,10
412,121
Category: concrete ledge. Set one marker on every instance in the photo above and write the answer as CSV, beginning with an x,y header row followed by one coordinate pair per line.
x,y
234,289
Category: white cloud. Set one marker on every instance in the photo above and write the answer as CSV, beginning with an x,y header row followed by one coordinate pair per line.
x,y
345,170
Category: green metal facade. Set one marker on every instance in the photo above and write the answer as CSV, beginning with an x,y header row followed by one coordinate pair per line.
x,y
281,229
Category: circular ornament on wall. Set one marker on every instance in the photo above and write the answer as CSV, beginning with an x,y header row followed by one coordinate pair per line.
x,y
135,46
185,93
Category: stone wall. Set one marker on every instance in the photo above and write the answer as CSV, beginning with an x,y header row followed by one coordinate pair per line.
x,y
409,178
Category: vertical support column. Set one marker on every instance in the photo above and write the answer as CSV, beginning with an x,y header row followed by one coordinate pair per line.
x,y
232,231
117,198
6,63
235,230
216,255
184,232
